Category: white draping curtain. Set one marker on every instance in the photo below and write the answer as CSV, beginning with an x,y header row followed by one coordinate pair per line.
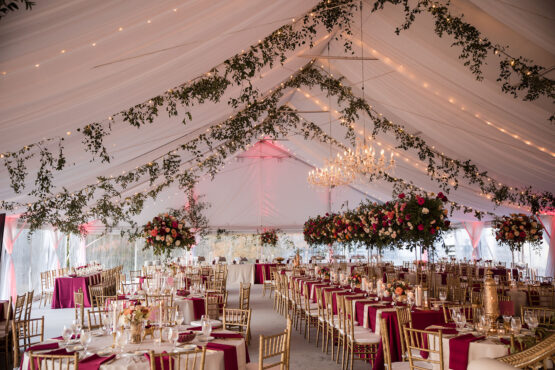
x,y
548,222
56,239
474,230
8,281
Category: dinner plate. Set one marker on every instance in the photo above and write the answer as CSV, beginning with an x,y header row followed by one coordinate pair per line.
x,y
186,348
202,338
104,352
140,352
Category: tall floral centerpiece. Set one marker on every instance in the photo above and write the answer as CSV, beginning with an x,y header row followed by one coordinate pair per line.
x,y
516,229
269,237
166,233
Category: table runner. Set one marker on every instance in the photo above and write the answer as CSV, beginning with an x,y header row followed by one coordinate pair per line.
x,y
458,350
198,307
258,279
233,336
230,354
93,362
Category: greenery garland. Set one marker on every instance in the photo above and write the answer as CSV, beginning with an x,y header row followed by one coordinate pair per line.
x,y
475,49
7,6
210,149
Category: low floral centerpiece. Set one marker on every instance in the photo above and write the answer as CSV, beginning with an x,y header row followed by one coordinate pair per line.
x,y
324,272
269,237
135,316
398,288
516,229
355,279
165,233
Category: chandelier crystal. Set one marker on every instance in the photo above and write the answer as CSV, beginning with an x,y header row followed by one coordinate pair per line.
x,y
331,176
364,160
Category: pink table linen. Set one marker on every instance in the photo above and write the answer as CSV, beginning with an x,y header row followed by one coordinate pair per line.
x,y
458,351
94,362
230,354
258,279
198,307
64,287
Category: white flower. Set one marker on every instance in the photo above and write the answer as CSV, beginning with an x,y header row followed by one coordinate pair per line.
x,y
425,210
177,242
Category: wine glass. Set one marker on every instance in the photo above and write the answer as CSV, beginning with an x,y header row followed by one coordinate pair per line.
x,y
442,295
105,322
157,335
76,326
516,325
85,338
532,321
462,320
121,339
179,318
66,334
173,336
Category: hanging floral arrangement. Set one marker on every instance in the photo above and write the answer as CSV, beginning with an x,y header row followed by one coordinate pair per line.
x,y
320,230
269,237
516,229
165,233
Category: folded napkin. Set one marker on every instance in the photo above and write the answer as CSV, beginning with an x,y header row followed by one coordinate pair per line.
x,y
163,362
72,337
458,350
227,335
93,362
45,346
230,354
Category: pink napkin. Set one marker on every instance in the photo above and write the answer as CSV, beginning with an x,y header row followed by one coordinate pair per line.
x,y
458,351
42,347
227,335
72,337
230,354
195,328
163,361
93,362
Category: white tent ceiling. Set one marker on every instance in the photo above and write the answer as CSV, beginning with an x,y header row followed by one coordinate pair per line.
x,y
68,64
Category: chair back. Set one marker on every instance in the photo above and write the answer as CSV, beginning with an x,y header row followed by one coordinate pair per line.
x,y
545,316
29,304
194,359
403,319
95,295
26,333
79,304
385,343
154,300
95,317
236,319
244,296
129,288
214,304
424,341
19,307
40,361
274,350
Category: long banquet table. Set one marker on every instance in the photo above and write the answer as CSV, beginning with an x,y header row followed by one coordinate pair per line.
x,y
131,359
240,273
65,286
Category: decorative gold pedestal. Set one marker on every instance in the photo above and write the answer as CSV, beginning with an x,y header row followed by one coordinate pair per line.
x,y
491,305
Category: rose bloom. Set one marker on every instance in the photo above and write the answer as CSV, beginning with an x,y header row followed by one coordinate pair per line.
x,y
398,290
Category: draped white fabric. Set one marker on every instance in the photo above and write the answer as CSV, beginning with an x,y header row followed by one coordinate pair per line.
x,y
417,81
7,269
474,230
548,222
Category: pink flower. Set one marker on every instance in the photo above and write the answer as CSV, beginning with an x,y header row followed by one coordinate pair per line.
x,y
402,196
420,201
432,230
420,227
407,216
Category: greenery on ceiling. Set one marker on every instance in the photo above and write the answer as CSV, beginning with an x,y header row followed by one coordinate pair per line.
x,y
115,200
7,6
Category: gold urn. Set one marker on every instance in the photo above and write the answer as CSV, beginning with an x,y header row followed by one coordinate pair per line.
x,y
491,305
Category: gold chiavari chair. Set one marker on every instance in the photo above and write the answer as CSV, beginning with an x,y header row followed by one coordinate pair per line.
x,y
26,333
194,359
391,277
310,312
296,304
274,350
5,334
28,304
238,320
403,319
322,323
387,351
19,307
267,284
95,295
154,300
331,323
214,285
47,290
430,342
95,317
214,303
545,315
134,275
79,304
244,296
66,362
361,345
277,291
168,314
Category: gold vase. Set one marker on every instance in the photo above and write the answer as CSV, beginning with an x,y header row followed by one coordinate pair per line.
x,y
491,305
136,333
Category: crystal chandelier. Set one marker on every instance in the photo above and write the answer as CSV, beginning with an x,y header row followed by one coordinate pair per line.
x,y
364,160
331,176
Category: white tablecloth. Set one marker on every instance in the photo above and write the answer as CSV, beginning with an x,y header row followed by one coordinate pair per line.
x,y
240,274
186,308
214,359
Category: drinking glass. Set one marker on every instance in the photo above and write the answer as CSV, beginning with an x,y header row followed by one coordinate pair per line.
x,y
174,336
179,318
442,295
76,326
532,321
121,339
66,334
516,325
507,322
105,322
157,335
85,338
166,332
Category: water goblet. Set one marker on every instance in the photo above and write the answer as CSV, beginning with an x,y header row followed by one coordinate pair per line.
x,y
76,326
516,325
85,338
442,295
66,334
179,318
157,335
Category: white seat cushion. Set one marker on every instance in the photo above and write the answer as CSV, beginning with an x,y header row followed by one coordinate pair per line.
x,y
406,365
366,337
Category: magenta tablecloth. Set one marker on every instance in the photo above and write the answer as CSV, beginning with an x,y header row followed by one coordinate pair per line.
x,y
64,287
258,271
230,354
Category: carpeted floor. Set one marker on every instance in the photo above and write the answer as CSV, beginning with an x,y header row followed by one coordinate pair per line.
x,y
265,321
